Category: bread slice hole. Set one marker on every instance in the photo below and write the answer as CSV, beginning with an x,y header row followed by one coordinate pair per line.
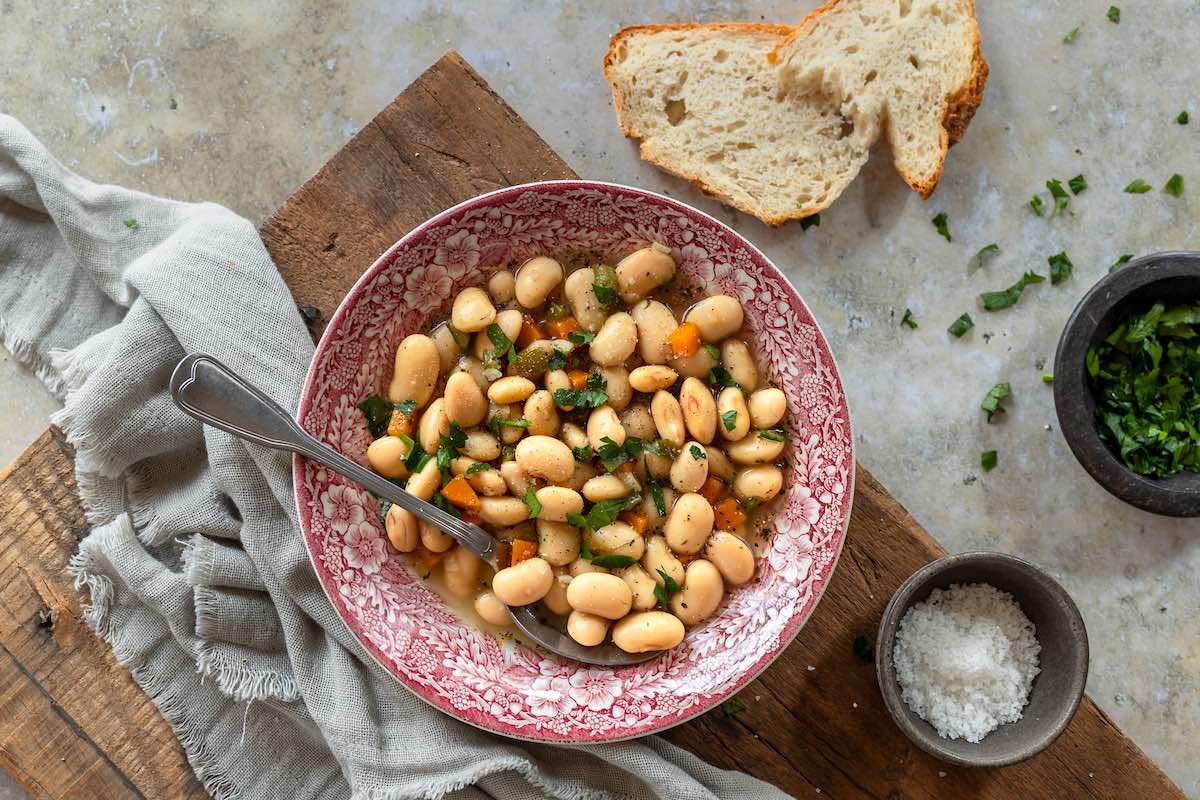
x,y
905,8
720,56
913,60
870,76
675,111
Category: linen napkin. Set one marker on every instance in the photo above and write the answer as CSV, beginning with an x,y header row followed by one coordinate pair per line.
x,y
195,567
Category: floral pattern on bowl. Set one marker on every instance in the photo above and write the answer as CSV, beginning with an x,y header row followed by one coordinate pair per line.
x,y
508,688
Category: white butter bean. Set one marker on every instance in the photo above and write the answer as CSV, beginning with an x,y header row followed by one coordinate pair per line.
x,y
403,529
689,524
646,631
655,322
486,482
651,378
474,367
731,557
541,413
601,594
731,407
512,389
557,379
617,387
448,349
659,557
386,456
668,417
465,404
650,508
699,410
586,308
460,571
416,370
643,271
582,566
603,423
509,322
536,279
424,483
545,457
501,287
558,542
636,421
690,469
556,598
641,585
557,502
481,446
433,424
767,407
491,610
573,435
718,464
702,593
472,311
618,539
434,540
735,357
515,477
716,317
615,341
605,487
523,583
580,474
587,629
754,449
502,510
694,366
761,483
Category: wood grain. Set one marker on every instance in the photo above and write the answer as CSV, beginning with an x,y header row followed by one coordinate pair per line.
x,y
814,719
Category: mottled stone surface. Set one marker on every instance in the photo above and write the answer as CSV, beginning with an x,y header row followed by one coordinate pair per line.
x,y
238,103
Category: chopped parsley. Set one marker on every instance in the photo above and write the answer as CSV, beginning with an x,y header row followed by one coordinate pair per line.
x,y
131,223
774,436
991,401
1077,184
713,352
1120,262
613,561
378,413
1036,204
908,320
659,447
1146,379
1114,14
732,706
863,650
961,325
697,452
531,501
558,360
582,454
811,221
580,337
729,419
1009,297
987,460
603,513
614,455
751,504
1047,377
1070,37
1182,119
448,445
984,252
444,505
384,507
1174,186
669,587
1061,198
942,223
656,494
416,460
1137,186
1060,267
593,396
501,342
479,467
407,407
721,377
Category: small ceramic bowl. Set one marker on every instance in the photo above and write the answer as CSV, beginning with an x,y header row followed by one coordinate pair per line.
x,y
1170,277
1056,690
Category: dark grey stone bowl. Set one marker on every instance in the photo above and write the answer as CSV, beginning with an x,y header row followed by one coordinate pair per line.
x,y
1170,277
1056,690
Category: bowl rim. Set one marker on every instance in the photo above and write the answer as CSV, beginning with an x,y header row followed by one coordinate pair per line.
x,y
885,668
351,298
1177,496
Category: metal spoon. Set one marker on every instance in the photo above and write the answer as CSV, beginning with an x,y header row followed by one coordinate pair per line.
x,y
212,393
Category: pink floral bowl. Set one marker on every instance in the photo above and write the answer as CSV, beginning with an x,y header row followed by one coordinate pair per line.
x,y
509,688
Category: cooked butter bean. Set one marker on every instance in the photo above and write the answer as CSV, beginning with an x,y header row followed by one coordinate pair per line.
x,y
472,311
460,571
556,598
767,407
416,370
403,529
573,435
617,539
605,487
435,540
735,356
465,404
509,434
731,557
582,566
689,524
509,321
690,469
699,410
587,629
433,424
486,482
474,367
502,510
515,477
646,631
668,417
695,366
557,379
650,509
545,457
512,389
618,389
541,413
557,502
651,378
448,349
601,594
523,583
702,593
615,341
491,610
660,466
761,483
643,271
636,421
558,542
603,423
386,456
536,279
501,287
716,317
584,305
481,446
424,483
718,464
581,474
655,322
732,406
754,449
659,557
641,585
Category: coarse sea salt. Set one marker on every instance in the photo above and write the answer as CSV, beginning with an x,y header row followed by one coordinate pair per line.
x,y
965,659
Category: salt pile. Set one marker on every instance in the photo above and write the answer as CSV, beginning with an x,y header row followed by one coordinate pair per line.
x,y
965,660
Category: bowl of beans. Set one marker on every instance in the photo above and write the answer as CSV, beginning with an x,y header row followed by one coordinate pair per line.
x,y
634,402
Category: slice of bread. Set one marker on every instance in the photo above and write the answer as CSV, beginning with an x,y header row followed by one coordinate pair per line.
x,y
909,68
707,107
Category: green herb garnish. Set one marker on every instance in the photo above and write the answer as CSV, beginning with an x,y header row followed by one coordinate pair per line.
x,y
719,376
378,414
448,446
1077,184
774,436
908,320
1070,37
1114,14
1182,119
1047,377
656,493
961,325
987,460
1120,262
593,396
668,587
697,452
1009,297
613,561
733,706
1061,198
384,507
729,418
558,360
612,454
1060,267
1137,186
942,223
713,352
500,341
1036,204
580,337
531,501
986,250
991,401
1174,185
603,513
582,454
863,650
478,467
131,223
511,422
810,221
605,285
750,504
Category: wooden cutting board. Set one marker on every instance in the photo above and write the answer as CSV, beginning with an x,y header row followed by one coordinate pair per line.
x,y
74,724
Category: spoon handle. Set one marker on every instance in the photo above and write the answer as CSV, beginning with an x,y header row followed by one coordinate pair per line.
x,y
211,392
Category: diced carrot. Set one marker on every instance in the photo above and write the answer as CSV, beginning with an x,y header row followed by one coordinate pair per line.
x,y
624,469
712,490
727,516
400,423
685,340
471,517
529,334
636,520
459,493
523,549
578,378
559,328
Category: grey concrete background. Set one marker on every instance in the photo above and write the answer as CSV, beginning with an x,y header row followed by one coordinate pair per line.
x,y
240,102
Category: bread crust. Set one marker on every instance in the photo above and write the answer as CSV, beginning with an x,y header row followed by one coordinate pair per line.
x,y
627,129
